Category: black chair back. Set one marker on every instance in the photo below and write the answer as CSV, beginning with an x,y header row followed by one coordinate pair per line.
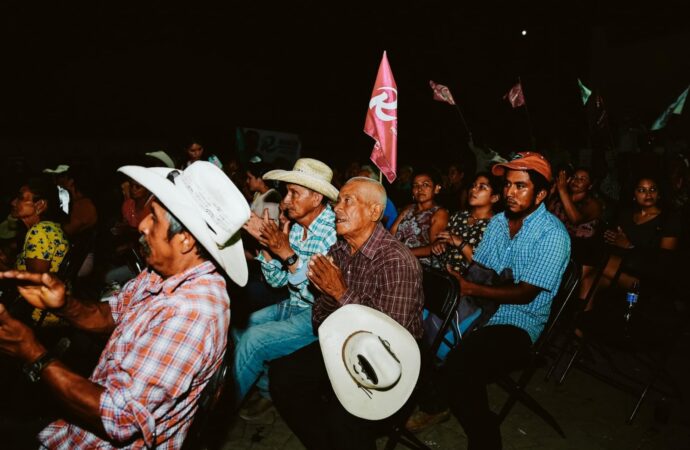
x,y
441,296
516,387
208,401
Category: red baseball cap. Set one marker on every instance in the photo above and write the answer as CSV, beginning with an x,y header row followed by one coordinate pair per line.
x,y
525,161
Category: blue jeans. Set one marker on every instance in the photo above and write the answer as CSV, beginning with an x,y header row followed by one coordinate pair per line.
x,y
272,332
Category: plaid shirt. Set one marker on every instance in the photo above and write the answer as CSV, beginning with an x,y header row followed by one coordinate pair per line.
x,y
169,339
383,275
538,254
320,237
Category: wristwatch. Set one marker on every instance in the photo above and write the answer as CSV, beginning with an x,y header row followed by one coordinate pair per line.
x,y
33,369
291,260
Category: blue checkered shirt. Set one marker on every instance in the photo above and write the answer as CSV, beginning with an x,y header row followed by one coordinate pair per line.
x,y
320,236
538,254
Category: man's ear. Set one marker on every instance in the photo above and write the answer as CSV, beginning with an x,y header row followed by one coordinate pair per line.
x,y
375,212
187,241
542,195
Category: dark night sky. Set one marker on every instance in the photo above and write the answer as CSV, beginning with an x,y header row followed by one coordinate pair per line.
x,y
159,71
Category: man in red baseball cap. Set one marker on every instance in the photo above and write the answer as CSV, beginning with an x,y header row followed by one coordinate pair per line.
x,y
534,246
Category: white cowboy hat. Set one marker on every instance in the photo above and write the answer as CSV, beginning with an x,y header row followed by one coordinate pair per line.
x,y
162,157
207,203
372,361
310,173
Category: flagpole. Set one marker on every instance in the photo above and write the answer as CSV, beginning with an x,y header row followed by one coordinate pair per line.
x,y
462,118
529,120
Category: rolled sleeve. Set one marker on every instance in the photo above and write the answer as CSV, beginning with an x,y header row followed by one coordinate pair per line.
x,y
273,271
150,378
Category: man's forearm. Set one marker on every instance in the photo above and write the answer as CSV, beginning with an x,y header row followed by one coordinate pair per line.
x,y
94,317
516,294
79,395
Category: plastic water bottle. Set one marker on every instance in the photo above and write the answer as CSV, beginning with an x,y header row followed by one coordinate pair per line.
x,y
631,298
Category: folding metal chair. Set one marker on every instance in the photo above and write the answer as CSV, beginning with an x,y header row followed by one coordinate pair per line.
x,y
515,387
441,294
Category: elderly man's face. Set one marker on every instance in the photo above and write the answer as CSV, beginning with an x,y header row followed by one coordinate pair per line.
x,y
160,252
299,201
353,211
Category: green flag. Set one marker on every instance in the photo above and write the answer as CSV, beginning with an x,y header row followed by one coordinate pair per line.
x,y
675,108
584,92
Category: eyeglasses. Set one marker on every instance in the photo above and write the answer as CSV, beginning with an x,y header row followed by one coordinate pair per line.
x,y
650,190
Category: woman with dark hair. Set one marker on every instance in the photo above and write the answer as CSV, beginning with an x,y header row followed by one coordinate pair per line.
x,y
44,247
581,213
420,222
456,245
641,236
265,195
194,151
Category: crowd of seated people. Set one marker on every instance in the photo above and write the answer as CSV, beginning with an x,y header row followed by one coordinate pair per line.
x,y
303,240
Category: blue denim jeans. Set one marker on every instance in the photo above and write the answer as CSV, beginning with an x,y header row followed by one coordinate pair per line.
x,y
272,332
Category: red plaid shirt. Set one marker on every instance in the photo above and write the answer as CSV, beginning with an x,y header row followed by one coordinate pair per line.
x,y
169,339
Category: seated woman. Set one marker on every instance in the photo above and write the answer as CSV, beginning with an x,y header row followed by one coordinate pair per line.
x,y
581,213
456,245
419,223
45,246
265,194
640,238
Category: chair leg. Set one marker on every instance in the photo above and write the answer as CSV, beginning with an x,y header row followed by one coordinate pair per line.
x,y
573,358
406,438
539,410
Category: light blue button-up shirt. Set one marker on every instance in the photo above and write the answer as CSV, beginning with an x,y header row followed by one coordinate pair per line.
x,y
538,255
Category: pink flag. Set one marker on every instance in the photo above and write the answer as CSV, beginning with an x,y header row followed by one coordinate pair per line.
x,y
441,93
382,121
515,96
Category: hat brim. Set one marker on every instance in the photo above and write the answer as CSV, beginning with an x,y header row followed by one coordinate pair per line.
x,y
336,329
231,258
303,179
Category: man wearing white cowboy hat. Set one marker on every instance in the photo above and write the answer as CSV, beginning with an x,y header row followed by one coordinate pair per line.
x,y
280,329
168,326
366,267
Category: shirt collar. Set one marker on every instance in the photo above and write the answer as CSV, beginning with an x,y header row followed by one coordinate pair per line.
x,y
368,249
157,284
326,216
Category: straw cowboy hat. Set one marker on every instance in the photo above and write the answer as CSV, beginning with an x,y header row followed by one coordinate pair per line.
x,y
310,173
372,361
207,203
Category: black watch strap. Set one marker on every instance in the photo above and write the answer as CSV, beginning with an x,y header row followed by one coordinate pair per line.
x,y
33,369
291,260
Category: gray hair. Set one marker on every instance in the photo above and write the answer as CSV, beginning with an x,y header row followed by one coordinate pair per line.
x,y
377,194
175,227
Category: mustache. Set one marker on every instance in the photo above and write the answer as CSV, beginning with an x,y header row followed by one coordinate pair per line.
x,y
145,248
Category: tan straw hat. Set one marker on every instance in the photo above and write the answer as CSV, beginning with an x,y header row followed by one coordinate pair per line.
x,y
310,173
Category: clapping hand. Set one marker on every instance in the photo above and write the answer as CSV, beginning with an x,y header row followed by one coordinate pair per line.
x,y
618,238
326,276
269,234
